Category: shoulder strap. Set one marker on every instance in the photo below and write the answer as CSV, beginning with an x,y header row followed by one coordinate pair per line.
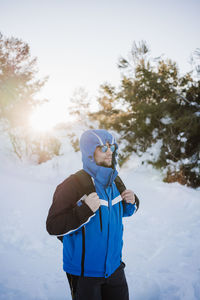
x,y
85,181
87,185
120,185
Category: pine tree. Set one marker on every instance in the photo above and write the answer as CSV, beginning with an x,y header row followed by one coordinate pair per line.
x,y
18,85
156,104
18,98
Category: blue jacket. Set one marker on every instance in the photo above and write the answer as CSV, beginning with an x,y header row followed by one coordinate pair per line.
x,y
86,245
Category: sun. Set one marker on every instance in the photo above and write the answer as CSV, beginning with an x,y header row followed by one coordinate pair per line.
x,y
45,117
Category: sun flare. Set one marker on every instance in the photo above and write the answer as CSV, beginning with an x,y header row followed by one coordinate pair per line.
x,y
44,118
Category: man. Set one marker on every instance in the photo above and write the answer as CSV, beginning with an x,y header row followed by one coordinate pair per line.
x,y
86,214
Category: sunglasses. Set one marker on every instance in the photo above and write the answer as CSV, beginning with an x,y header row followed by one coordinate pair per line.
x,y
104,148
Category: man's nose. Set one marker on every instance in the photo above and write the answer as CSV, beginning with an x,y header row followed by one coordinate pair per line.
x,y
109,151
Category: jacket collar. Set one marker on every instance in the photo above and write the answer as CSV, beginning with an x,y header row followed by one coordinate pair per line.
x,y
102,175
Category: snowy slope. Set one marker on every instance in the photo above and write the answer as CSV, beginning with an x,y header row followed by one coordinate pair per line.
x,y
161,242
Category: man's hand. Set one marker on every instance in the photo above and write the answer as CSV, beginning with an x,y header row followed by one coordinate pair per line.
x,y
93,201
128,196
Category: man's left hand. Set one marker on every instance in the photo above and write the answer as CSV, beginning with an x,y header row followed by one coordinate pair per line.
x,y
128,196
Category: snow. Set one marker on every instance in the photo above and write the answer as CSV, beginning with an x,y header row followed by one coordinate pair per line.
x,y
147,121
161,241
166,120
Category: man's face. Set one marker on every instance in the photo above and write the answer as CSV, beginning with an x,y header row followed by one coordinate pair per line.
x,y
103,159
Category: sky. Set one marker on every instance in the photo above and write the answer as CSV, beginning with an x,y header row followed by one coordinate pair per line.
x,y
78,43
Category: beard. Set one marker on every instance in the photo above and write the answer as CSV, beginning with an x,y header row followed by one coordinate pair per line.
x,y
106,165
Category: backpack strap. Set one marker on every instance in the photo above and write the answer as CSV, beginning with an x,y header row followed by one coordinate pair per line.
x,y
85,180
120,185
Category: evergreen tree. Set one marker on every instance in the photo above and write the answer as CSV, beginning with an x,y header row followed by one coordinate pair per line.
x,y
18,98
156,104
18,86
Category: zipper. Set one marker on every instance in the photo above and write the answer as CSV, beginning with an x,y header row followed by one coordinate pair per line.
x,y
110,179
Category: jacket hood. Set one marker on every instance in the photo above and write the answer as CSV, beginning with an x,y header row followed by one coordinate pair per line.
x,y
89,140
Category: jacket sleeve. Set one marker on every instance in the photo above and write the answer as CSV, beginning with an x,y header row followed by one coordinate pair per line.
x,y
67,214
129,209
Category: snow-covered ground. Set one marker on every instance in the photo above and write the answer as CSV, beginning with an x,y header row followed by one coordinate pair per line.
x,y
161,241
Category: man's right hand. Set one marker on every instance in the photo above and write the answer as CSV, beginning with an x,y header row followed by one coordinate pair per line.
x,y
93,201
